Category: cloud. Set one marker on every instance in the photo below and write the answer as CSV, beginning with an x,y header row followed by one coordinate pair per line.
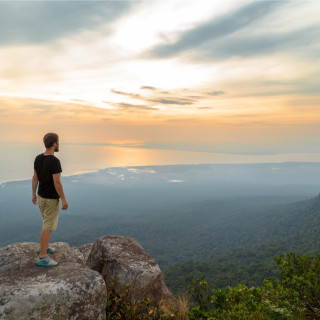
x,y
148,88
30,110
28,22
242,34
217,28
205,108
247,45
180,101
132,95
158,98
85,124
132,106
215,93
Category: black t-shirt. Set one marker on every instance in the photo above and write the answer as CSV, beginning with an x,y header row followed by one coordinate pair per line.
x,y
45,167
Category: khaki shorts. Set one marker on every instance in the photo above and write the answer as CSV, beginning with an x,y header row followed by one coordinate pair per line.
x,y
49,209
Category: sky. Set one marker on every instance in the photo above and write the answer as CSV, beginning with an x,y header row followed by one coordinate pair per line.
x,y
199,75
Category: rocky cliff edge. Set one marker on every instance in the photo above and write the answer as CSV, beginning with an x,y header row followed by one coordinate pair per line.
x,y
76,287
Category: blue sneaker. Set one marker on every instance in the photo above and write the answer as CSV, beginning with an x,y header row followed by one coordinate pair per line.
x,y
49,250
46,262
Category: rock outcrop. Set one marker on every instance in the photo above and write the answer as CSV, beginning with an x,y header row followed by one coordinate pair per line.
x,y
67,291
76,287
122,261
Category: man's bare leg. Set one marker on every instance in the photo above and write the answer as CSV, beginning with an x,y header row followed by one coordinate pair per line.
x,y
44,242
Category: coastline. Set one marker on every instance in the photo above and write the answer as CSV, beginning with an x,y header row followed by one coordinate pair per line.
x,y
273,165
16,164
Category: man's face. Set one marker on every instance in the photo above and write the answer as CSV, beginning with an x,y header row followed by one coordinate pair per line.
x,y
56,149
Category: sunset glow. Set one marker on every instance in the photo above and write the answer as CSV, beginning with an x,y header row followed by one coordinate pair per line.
x,y
190,75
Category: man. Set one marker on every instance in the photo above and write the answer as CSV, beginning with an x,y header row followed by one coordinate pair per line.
x,y
47,171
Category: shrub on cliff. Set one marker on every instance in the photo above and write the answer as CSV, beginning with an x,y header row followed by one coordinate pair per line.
x,y
119,308
295,296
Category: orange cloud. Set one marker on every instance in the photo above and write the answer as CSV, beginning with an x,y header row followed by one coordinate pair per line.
x,y
244,126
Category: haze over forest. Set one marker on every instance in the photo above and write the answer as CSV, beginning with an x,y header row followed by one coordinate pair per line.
x,y
178,213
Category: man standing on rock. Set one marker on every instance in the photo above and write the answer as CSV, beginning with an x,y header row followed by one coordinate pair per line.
x,y
47,171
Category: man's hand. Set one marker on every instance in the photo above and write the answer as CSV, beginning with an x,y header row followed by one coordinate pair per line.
x,y
58,186
34,199
35,182
64,204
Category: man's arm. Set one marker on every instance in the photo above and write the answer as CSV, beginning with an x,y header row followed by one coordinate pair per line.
x,y
58,185
35,181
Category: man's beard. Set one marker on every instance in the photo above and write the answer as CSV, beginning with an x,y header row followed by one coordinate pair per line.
x,y
56,149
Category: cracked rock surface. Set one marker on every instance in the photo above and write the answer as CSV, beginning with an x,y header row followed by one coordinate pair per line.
x,y
69,290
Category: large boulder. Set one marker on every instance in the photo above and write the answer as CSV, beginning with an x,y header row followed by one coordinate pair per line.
x,y
69,290
122,262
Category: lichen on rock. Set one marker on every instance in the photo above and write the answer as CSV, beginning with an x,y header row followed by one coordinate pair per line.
x,y
69,290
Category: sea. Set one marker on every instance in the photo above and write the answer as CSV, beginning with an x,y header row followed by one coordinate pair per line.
x,y
16,159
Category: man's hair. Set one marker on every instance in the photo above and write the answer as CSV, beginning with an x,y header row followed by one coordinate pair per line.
x,y
49,139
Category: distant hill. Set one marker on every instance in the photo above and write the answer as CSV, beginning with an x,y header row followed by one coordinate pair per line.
x,y
294,227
